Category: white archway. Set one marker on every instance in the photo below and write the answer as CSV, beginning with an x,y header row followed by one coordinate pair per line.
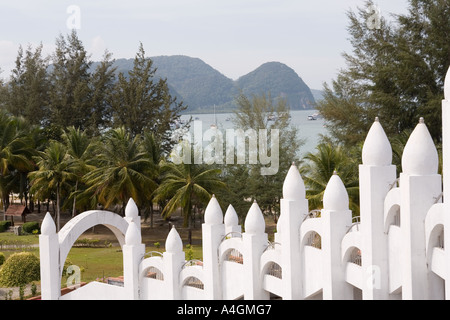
x,y
82,222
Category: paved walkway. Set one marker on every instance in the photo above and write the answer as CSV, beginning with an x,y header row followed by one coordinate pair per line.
x,y
4,292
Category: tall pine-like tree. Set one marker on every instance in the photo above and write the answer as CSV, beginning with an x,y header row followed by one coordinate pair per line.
x,y
395,72
141,102
69,94
26,94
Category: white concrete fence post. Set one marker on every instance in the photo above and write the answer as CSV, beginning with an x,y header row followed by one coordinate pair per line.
x,y
377,176
173,260
49,260
213,231
293,209
133,252
336,218
420,188
255,241
446,175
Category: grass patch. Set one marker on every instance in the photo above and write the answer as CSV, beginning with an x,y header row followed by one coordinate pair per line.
x,y
10,237
98,263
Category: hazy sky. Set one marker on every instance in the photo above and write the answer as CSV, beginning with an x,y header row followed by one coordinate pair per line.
x,y
233,36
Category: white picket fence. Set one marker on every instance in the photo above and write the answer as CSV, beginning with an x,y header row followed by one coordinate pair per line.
x,y
394,250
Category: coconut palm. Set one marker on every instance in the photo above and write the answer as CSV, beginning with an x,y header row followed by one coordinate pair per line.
x,y
185,185
153,152
16,150
123,170
79,151
317,169
54,174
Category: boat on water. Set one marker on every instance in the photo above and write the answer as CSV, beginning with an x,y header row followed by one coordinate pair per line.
x,y
314,116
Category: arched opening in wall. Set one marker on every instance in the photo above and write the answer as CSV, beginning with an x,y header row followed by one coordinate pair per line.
x,y
313,239
94,259
194,282
393,216
274,269
356,257
436,277
154,273
234,255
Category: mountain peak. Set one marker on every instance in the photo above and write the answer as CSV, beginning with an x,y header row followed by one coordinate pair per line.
x,y
280,80
200,86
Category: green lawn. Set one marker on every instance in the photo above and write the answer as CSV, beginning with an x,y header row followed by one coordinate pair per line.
x,y
96,263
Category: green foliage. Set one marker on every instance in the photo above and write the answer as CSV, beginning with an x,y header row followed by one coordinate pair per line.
x,y
53,175
123,170
318,167
30,227
4,225
33,289
395,72
2,258
92,243
139,99
245,181
189,252
186,185
19,269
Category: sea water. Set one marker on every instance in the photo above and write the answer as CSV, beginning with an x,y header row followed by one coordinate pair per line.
x,y
308,130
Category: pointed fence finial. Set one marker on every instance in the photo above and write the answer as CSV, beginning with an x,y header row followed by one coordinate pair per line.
x,y
420,156
231,217
335,196
254,222
131,210
293,186
48,226
173,241
213,212
377,149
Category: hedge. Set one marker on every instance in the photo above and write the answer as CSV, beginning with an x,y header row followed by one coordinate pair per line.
x,y
19,269
29,227
4,225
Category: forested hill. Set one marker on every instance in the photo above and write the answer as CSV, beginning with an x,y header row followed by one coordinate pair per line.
x,y
201,87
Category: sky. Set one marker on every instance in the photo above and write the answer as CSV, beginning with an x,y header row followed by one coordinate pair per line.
x,y
233,36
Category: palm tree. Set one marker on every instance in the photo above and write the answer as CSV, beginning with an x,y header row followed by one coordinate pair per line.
x,y
54,174
79,151
318,168
123,170
185,185
16,151
154,152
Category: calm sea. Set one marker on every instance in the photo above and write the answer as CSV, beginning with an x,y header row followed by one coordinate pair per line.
x,y
308,130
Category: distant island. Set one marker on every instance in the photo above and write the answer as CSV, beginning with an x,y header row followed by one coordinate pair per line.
x,y
201,87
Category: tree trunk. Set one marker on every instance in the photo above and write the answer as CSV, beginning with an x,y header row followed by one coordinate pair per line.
x,y
74,210
151,215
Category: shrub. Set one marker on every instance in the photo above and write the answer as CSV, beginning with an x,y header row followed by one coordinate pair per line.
x,y
19,269
29,227
4,225
2,258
